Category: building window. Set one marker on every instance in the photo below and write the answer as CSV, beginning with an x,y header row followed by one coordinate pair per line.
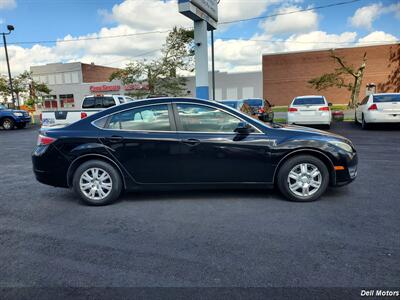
x,y
59,79
231,93
52,79
218,94
67,78
75,77
50,101
67,101
43,78
248,92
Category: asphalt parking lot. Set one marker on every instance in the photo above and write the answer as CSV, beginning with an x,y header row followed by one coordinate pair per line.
x,y
350,238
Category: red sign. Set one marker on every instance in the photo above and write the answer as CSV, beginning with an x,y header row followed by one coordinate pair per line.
x,y
105,88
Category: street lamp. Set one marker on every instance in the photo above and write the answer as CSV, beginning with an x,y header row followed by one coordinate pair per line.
x,y
9,28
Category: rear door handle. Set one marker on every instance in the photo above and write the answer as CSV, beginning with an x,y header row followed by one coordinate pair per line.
x,y
191,142
115,139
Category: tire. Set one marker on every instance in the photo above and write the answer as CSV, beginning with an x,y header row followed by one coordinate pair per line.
x,y
355,119
293,166
110,186
21,125
7,123
364,125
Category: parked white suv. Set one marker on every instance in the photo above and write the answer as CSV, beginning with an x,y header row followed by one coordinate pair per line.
x,y
310,110
378,108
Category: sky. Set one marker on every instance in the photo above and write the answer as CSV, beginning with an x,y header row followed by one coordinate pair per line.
x,y
238,46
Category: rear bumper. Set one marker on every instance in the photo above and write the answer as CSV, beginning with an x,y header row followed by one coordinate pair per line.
x,y
49,166
325,119
382,117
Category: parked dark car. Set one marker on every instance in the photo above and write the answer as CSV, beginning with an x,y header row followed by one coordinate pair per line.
x,y
189,143
10,118
261,108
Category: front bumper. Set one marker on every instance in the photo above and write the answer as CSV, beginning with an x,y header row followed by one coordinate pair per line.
x,y
350,172
23,120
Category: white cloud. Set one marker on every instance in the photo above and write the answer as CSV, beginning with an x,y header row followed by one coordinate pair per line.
x,y
366,15
7,4
292,23
377,37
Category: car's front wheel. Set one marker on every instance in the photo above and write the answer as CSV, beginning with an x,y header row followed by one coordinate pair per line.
x,y
97,183
7,123
303,178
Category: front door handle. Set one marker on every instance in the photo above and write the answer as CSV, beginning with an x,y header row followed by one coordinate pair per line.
x,y
191,142
115,139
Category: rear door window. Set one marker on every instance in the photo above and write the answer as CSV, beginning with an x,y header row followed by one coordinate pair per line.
x,y
88,102
309,101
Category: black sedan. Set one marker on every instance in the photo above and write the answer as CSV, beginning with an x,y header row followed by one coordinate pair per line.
x,y
189,143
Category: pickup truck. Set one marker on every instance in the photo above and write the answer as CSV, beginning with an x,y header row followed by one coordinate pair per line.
x,y
90,105
10,118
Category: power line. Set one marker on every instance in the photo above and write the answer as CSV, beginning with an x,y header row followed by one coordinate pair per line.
x,y
301,42
291,12
165,31
89,38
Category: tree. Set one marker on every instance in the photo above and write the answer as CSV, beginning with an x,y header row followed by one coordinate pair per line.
x,y
338,78
162,74
24,85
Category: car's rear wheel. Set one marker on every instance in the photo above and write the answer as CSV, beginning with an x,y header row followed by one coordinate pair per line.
x,y
303,178
7,123
97,183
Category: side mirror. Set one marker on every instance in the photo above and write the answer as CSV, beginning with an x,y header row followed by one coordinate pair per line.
x,y
330,104
243,128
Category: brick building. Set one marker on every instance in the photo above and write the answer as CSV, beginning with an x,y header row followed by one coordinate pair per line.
x,y
285,75
69,82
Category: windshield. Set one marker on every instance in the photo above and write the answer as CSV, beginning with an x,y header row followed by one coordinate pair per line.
x,y
309,101
387,98
2,107
254,102
232,104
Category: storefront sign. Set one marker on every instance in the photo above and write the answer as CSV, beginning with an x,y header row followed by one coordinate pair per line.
x,y
105,88
113,88
197,10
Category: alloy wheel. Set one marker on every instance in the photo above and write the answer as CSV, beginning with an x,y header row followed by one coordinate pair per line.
x,y
304,180
7,124
96,184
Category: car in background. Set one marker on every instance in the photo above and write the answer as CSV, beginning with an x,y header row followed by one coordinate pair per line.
x,y
378,108
239,105
262,108
169,143
10,118
310,110
90,105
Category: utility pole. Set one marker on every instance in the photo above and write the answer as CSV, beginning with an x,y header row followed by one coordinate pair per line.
x,y
10,28
212,65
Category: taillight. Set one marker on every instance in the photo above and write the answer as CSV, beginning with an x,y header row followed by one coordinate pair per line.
x,y
325,108
41,117
373,107
45,140
261,110
292,109
83,115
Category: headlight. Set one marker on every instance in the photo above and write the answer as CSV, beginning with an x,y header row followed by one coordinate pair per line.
x,y
18,114
341,145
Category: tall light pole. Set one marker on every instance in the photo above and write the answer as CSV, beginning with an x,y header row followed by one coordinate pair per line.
x,y
9,28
